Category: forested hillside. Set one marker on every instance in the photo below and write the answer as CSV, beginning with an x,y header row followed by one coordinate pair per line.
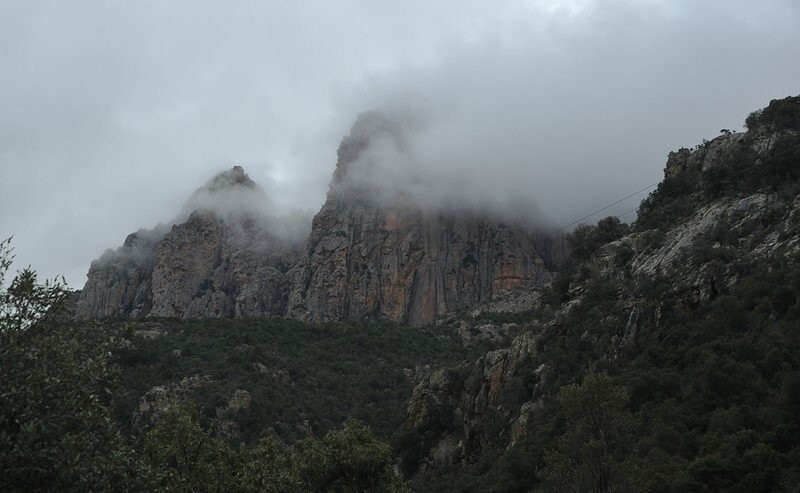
x,y
667,358
664,357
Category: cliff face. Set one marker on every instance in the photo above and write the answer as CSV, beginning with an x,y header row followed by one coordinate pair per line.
x,y
369,256
364,262
118,283
385,259
221,261
207,267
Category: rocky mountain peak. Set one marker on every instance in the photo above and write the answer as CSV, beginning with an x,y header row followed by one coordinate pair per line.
x,y
375,254
367,155
230,194
219,259
232,178
372,254
369,127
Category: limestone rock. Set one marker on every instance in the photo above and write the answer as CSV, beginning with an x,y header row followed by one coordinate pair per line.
x,y
118,282
220,260
372,260
466,396
364,260
677,162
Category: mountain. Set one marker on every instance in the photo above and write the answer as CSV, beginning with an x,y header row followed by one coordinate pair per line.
x,y
664,359
218,260
369,258
662,356
366,258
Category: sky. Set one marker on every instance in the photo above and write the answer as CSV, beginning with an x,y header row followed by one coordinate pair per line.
x,y
113,112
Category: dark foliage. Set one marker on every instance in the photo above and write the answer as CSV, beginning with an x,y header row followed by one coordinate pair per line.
x,y
780,114
585,240
295,372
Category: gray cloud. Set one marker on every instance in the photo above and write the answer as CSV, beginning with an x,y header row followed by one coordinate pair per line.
x,y
112,113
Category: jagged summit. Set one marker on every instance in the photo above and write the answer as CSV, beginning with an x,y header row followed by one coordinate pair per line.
x,y
369,127
230,194
371,253
363,171
376,254
232,178
220,258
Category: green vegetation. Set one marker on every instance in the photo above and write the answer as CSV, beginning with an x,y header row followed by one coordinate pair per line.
x,y
56,381
780,114
708,402
670,202
653,383
778,170
647,383
594,451
300,376
585,240
185,457
67,388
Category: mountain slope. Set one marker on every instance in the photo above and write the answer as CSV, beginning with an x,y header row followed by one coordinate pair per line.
x,y
686,325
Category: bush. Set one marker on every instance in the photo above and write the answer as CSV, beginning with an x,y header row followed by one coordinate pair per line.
x,y
56,431
585,240
780,114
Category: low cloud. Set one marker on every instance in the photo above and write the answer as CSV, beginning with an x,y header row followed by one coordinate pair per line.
x,y
388,158
113,113
571,112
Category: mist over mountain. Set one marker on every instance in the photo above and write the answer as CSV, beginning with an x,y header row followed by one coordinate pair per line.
x,y
391,243
570,104
387,160
419,245
660,355
227,254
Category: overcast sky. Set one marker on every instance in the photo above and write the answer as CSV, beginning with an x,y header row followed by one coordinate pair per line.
x,y
113,112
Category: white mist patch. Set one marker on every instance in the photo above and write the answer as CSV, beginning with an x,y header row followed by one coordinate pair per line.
x,y
391,159
235,198
230,194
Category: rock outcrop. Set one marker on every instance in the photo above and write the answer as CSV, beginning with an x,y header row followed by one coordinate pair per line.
x,y
161,397
471,404
627,295
385,259
221,260
118,283
368,257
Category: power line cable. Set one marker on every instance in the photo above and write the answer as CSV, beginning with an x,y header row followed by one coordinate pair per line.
x,y
604,208
677,189
740,171
673,192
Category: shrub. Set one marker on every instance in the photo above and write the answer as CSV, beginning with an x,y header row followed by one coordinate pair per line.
x,y
585,240
780,114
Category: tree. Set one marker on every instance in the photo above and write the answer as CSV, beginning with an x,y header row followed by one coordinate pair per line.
x,y
585,240
594,454
348,459
56,432
189,458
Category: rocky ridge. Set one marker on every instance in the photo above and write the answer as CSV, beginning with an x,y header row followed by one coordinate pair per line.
x,y
364,260
220,261
492,403
386,259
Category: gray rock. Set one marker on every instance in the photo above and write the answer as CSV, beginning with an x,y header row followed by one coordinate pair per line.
x,y
221,261
363,260
367,260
